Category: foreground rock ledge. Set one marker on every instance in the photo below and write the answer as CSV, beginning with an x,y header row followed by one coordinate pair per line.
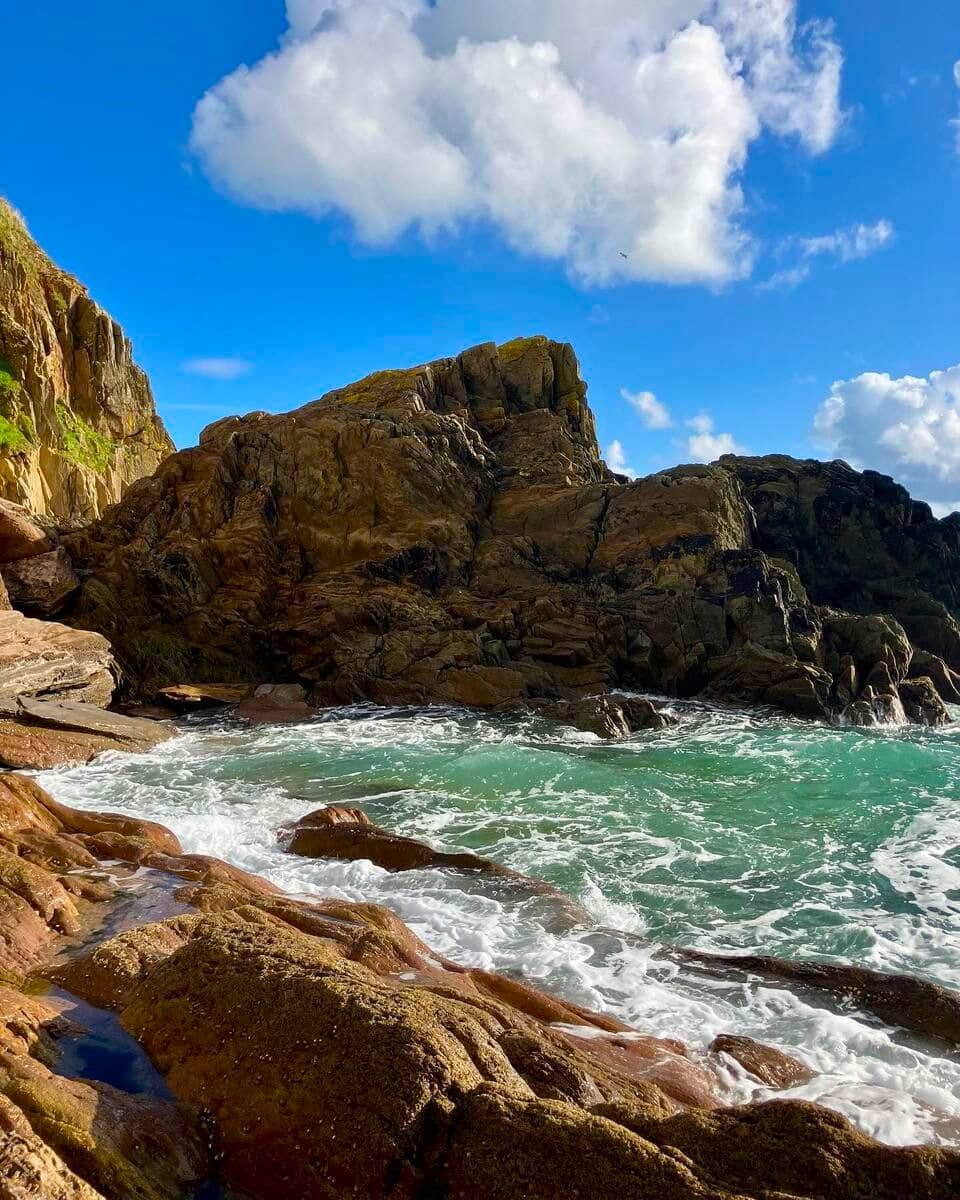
x,y
337,1056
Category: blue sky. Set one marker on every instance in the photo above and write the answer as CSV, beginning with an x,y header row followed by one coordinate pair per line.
x,y
807,234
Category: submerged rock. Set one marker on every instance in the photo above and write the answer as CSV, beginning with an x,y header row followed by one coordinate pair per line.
x,y
350,835
449,534
608,716
770,1066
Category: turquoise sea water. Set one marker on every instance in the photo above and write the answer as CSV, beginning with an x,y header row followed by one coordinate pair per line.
x,y
733,832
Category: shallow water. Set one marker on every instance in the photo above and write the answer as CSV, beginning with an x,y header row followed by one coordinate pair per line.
x,y
734,832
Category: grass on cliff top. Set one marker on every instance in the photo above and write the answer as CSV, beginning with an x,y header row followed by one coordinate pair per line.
x,y
81,444
15,236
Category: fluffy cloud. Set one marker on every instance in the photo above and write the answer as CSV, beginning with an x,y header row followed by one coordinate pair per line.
x,y
583,132
218,368
704,445
653,414
907,427
616,459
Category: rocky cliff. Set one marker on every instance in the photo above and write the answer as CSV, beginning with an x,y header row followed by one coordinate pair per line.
x,y
450,533
77,419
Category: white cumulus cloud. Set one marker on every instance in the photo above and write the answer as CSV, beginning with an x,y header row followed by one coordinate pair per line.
x,y
582,132
907,427
218,368
704,445
653,414
616,459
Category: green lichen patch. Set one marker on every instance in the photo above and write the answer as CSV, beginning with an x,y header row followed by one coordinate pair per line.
x,y
383,385
82,444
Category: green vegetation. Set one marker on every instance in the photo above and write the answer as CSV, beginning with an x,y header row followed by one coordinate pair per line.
x,y
9,387
9,384
81,444
13,440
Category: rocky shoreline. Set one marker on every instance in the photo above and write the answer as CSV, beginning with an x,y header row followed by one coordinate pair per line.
x,y
445,534
321,1050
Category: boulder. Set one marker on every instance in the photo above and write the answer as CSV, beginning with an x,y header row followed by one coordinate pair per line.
x,y
20,536
348,834
922,703
41,585
276,704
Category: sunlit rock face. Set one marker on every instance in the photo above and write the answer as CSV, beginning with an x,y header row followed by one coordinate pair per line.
x,y
77,419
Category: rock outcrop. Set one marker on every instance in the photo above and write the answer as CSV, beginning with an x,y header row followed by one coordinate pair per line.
x,y
77,420
450,534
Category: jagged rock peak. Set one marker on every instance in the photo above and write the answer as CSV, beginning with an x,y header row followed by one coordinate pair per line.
x,y
78,423
450,533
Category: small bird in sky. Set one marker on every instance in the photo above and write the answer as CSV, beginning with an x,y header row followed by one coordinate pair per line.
x,y
622,255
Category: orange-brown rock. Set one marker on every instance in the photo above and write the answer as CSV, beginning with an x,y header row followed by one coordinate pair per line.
x,y
770,1066
276,704
44,892
449,534
46,734
404,1087
349,834
188,697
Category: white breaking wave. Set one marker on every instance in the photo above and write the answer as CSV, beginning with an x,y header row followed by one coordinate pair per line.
x,y
724,834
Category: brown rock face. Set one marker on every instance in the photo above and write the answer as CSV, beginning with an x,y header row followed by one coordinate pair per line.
x,y
77,419
449,534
